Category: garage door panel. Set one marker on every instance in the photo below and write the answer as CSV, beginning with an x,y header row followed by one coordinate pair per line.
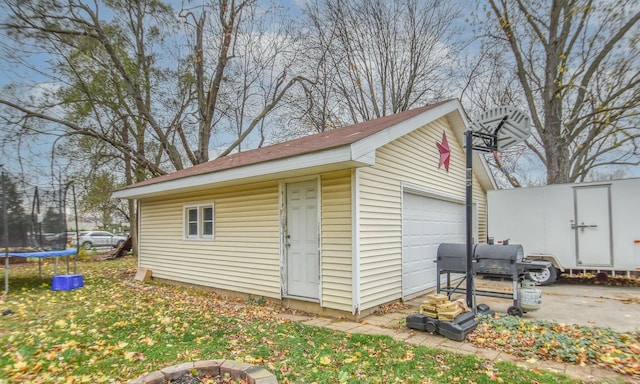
x,y
427,222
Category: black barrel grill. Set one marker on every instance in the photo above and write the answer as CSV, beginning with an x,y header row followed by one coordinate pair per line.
x,y
505,261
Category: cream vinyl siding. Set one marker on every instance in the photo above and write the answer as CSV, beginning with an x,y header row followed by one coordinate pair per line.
x,y
412,159
336,243
243,257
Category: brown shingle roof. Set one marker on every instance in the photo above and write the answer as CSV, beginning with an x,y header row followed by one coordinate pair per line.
x,y
308,144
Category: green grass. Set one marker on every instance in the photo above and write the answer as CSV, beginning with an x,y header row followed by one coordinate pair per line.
x,y
113,330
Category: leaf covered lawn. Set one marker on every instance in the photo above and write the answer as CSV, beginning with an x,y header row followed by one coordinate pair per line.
x,y
560,342
113,330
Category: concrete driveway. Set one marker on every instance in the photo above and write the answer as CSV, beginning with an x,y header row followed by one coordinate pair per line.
x,y
592,305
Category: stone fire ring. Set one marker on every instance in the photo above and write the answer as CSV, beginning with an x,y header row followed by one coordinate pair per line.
x,y
252,374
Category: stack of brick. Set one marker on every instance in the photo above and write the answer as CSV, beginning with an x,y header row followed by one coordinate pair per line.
x,y
438,306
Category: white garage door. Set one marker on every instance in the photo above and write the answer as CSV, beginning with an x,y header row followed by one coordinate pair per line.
x,y
427,222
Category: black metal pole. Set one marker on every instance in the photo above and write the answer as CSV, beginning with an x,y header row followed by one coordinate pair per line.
x,y
75,214
469,200
63,211
5,231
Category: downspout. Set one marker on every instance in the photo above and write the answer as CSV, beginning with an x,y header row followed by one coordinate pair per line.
x,y
319,234
283,242
355,245
138,226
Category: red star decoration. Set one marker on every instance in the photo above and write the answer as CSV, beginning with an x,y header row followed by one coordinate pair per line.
x,y
445,152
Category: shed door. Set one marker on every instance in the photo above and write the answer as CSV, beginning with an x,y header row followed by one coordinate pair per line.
x,y
593,226
301,239
426,223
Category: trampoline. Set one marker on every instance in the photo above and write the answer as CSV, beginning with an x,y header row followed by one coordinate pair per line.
x,y
71,252
39,235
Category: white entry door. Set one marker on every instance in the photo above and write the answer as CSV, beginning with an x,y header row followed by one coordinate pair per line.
x,y
426,223
593,226
301,241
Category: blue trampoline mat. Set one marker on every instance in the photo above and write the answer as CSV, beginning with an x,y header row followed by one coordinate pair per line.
x,y
43,254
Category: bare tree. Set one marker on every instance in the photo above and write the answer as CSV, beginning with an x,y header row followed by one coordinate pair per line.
x,y
374,58
104,74
578,65
251,51
121,83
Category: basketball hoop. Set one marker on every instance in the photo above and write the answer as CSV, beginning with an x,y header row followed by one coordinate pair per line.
x,y
500,128
495,130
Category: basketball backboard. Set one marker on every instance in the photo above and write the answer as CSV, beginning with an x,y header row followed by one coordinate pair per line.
x,y
508,125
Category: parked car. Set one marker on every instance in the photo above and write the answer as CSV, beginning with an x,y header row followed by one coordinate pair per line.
x,y
90,239
62,239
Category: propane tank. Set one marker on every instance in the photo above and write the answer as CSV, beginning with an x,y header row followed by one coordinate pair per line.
x,y
529,297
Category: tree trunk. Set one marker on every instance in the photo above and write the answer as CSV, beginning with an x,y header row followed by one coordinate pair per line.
x,y
557,159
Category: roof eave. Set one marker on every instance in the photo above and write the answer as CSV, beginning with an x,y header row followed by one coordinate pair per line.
x,y
389,134
331,159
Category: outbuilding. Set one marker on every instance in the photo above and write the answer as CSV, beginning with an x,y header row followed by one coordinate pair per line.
x,y
338,222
